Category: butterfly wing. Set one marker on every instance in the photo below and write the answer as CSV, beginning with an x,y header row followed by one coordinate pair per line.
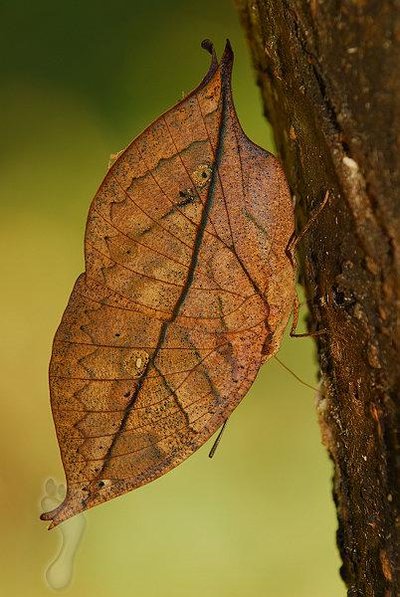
x,y
187,290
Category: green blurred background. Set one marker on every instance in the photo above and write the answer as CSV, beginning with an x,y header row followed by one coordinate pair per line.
x,y
78,81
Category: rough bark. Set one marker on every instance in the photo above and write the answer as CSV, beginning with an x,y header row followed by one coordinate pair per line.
x,y
329,77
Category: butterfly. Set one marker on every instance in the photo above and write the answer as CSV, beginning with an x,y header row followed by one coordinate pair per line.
x,y
187,290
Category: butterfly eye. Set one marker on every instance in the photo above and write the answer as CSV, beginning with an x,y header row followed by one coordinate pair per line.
x,y
202,175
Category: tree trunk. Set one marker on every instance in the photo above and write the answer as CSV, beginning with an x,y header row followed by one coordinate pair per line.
x,y
330,81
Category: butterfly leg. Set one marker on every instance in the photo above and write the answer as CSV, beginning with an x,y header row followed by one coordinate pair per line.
x,y
217,441
291,253
296,239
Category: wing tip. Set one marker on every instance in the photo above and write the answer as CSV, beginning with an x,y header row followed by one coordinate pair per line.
x,y
64,511
227,63
208,45
228,54
51,517
226,60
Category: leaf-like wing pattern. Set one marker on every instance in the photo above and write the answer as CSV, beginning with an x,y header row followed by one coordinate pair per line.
x,y
187,290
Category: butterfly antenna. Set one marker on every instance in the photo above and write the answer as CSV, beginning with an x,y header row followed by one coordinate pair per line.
x,y
294,375
216,443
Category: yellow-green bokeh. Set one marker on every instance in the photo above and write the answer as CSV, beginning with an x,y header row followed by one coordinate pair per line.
x,y
78,81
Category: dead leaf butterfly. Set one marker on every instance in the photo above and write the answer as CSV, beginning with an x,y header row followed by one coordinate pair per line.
x,y
187,290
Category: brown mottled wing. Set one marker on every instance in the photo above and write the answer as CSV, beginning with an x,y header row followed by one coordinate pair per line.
x,y
186,292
